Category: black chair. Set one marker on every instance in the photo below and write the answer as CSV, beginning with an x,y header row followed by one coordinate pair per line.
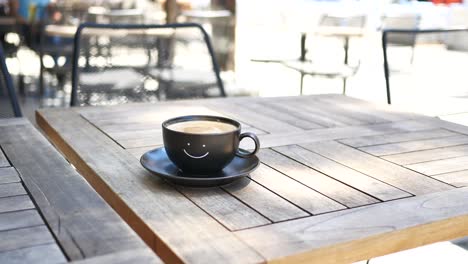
x,y
412,33
7,91
56,46
404,21
170,61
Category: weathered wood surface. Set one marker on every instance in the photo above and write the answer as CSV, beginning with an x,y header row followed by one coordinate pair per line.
x,y
325,159
354,234
42,254
8,175
122,257
160,214
3,160
75,216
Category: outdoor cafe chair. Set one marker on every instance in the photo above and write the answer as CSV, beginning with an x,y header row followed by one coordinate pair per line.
x,y
404,21
169,61
7,91
387,35
313,67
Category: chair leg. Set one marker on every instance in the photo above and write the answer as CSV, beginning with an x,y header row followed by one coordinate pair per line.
x,y
21,87
344,86
41,78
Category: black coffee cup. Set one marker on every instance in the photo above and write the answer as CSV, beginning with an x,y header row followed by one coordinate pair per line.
x,y
202,153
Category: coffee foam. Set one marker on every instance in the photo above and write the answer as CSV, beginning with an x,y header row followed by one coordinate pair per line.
x,y
202,127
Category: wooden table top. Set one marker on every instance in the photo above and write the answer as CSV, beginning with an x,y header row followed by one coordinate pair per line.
x,y
49,214
341,179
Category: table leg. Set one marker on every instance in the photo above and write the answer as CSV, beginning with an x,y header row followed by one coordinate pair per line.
x,y
303,47
346,48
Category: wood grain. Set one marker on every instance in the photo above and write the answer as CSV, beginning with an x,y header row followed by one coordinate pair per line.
x,y
15,203
316,180
352,235
25,237
229,211
441,166
397,137
11,189
157,212
20,219
295,192
283,116
346,175
123,257
428,155
3,160
41,254
290,138
84,225
8,175
402,147
457,178
255,118
264,201
385,171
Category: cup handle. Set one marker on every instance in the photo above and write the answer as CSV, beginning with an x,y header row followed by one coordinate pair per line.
x,y
244,153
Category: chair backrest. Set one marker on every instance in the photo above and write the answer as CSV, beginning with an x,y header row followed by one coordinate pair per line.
x,y
405,21
120,63
7,91
438,69
355,21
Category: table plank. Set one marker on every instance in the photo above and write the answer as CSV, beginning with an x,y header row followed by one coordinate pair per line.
x,y
123,257
441,166
282,139
229,211
11,189
82,222
136,195
346,175
385,171
401,147
25,237
458,178
312,114
254,118
345,236
286,117
264,201
19,219
397,137
428,155
15,203
323,184
9,175
295,192
41,254
3,160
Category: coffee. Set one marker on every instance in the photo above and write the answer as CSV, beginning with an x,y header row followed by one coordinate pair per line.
x,y
202,127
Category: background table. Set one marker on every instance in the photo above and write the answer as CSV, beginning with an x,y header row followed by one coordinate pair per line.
x,y
49,214
341,179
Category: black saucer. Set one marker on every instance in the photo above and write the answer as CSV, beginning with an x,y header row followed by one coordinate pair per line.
x,y
158,162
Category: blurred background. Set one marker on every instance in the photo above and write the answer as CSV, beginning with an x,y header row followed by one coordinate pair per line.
x,y
263,47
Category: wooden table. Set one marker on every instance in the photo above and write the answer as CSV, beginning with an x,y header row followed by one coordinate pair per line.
x,y
49,214
341,179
